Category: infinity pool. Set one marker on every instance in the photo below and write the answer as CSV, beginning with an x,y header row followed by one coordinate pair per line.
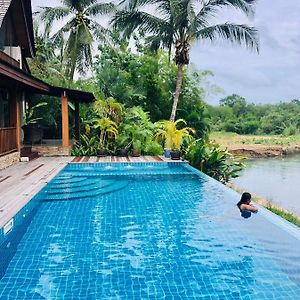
x,y
145,231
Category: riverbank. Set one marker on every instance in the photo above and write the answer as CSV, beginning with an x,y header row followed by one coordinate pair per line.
x,y
257,146
285,214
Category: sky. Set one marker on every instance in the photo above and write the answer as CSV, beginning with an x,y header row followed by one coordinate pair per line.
x,y
271,76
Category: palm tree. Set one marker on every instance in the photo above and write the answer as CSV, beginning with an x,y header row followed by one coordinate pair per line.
x,y
81,28
177,24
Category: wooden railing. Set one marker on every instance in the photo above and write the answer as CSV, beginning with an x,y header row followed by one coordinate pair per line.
x,y
8,140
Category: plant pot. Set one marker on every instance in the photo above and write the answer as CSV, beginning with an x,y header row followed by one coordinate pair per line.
x,y
101,152
136,152
175,155
167,153
32,134
123,152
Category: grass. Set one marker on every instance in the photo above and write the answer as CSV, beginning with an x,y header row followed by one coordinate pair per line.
x,y
229,138
292,218
284,214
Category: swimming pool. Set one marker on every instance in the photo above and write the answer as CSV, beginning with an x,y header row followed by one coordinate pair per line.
x,y
145,231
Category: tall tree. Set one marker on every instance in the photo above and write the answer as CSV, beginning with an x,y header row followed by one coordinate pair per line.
x,y
81,29
177,24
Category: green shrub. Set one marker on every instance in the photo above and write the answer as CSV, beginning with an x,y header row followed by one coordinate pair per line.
x,y
290,130
210,159
87,145
153,148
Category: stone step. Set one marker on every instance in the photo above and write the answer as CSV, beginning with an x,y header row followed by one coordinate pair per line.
x,y
116,186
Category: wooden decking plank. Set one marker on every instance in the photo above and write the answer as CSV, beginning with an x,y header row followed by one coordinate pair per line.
x,y
16,193
157,158
76,159
30,172
4,178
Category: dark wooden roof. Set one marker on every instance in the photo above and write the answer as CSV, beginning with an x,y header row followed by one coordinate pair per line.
x,y
11,75
78,95
21,14
4,5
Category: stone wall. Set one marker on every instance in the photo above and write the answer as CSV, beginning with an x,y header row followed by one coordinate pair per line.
x,y
9,159
45,150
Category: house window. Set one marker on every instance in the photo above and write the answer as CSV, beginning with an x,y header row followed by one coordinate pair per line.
x,y
4,108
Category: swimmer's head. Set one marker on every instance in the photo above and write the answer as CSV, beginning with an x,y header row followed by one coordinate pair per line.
x,y
246,198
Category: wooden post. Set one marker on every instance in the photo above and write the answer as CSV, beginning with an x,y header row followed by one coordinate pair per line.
x,y
77,121
15,117
18,124
65,120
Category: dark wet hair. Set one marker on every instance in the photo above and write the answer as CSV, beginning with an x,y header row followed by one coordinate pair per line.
x,y
244,199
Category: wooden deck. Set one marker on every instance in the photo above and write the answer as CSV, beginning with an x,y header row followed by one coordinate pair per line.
x,y
19,183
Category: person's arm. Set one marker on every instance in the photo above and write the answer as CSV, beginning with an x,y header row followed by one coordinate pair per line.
x,y
249,207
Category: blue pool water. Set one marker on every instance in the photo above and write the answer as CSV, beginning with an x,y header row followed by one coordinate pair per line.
x,y
145,231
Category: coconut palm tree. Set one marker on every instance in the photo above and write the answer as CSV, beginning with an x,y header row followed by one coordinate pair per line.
x,y
177,24
81,29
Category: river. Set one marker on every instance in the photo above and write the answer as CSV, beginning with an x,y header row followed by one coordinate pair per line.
x,y
275,179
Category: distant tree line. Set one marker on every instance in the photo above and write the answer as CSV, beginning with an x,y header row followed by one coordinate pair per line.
x,y
235,114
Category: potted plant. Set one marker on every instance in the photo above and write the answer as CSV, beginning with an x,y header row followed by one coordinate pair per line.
x,y
108,128
138,128
32,132
136,148
122,145
172,136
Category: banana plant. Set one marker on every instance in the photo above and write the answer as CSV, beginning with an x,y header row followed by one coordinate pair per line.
x,y
30,112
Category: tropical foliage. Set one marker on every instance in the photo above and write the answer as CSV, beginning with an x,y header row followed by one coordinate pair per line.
x,y
136,88
212,160
177,24
87,145
30,114
172,136
145,79
107,128
81,30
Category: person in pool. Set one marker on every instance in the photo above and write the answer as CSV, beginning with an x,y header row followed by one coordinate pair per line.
x,y
245,207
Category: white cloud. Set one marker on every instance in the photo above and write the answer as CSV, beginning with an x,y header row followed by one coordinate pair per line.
x,y
271,76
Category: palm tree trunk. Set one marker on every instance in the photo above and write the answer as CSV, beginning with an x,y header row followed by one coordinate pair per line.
x,y
177,91
72,71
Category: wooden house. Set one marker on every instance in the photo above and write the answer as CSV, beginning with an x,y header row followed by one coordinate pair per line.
x,y
16,82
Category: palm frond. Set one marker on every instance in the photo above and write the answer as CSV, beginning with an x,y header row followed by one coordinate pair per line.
x,y
78,5
212,7
241,34
131,20
50,14
58,36
101,33
100,9
134,4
